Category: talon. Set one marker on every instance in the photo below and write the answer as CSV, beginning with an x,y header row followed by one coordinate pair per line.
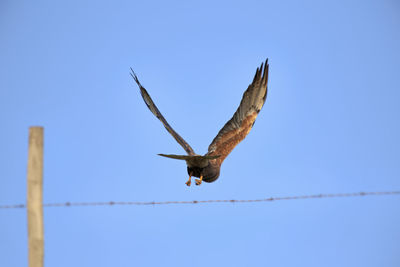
x,y
198,181
189,182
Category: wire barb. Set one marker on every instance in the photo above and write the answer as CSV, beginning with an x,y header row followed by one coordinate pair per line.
x,y
144,203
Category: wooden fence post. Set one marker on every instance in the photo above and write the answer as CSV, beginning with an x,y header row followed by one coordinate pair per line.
x,y
34,197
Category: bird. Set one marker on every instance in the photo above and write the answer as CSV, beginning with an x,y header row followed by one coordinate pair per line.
x,y
207,167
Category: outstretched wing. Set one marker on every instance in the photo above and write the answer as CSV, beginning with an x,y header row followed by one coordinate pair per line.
x,y
153,108
236,129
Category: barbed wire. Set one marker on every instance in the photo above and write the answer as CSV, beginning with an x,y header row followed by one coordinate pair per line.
x,y
144,203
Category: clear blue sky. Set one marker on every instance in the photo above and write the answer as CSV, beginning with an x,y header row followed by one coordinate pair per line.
x,y
330,125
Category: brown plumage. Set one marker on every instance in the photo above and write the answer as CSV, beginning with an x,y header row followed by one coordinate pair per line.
x,y
208,167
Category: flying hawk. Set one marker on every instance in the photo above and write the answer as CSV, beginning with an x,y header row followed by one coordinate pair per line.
x,y
207,167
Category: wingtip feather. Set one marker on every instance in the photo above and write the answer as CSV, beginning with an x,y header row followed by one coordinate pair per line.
x,y
135,78
265,74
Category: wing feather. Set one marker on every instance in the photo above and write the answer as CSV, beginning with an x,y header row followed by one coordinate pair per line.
x,y
153,108
237,128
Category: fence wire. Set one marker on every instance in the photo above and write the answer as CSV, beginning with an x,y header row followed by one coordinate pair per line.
x,y
147,203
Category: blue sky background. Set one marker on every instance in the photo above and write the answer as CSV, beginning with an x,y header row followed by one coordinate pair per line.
x,y
330,125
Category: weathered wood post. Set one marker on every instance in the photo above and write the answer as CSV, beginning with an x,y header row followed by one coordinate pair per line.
x,y
34,197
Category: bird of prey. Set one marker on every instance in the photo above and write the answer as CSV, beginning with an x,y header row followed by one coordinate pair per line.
x,y
207,167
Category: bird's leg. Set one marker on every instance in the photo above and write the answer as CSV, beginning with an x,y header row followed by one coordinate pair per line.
x,y
190,180
198,181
